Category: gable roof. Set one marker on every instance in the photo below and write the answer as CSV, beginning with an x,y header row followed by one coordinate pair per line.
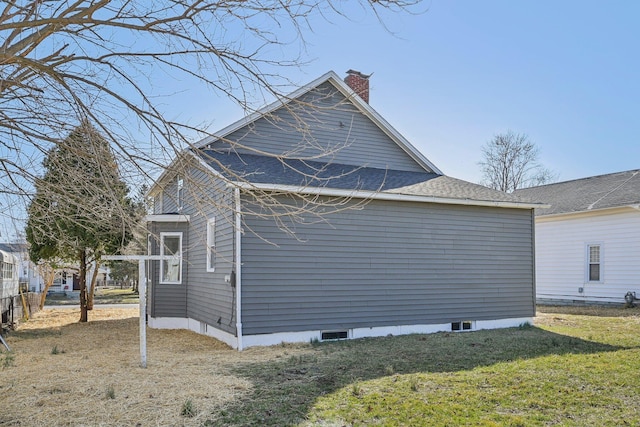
x,y
359,103
280,174
609,191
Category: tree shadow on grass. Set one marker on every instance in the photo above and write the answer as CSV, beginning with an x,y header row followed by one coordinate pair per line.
x,y
285,390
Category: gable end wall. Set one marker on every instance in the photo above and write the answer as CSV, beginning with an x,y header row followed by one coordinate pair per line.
x,y
337,132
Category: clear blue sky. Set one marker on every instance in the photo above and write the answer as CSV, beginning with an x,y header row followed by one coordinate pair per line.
x,y
566,73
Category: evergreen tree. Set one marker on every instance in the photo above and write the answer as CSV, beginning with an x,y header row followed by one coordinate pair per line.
x,y
81,209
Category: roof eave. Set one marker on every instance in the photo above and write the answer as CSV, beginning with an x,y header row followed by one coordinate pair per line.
x,y
587,212
381,195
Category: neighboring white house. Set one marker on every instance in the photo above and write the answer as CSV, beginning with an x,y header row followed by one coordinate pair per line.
x,y
28,274
66,278
588,241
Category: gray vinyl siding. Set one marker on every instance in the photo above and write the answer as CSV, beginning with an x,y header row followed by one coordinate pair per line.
x,y
169,201
209,298
391,263
203,295
334,130
167,300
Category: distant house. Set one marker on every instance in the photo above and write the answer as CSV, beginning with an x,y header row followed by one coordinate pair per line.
x,y
405,250
9,266
27,272
588,241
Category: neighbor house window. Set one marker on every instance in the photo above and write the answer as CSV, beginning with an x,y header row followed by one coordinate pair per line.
x,y
171,258
211,244
180,192
594,263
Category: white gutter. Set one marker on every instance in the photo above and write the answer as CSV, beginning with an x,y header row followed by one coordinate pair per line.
x,y
238,263
377,195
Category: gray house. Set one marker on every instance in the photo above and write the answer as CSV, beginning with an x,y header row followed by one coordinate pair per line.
x,y
315,219
587,240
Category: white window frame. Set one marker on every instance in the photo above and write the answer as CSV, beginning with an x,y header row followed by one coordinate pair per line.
x,y
588,262
211,245
164,258
180,192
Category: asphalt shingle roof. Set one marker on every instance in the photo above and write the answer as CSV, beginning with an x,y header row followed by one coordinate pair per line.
x,y
596,192
294,172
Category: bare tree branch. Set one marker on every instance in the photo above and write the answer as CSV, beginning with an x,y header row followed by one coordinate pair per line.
x,y
511,162
100,61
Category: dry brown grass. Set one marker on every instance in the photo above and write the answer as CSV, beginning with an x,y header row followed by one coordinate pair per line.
x,y
93,377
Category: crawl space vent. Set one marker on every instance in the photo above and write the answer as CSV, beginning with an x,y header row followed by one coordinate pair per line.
x,y
465,325
334,335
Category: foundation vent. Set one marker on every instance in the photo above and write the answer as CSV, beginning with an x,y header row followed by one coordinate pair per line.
x,y
334,335
463,325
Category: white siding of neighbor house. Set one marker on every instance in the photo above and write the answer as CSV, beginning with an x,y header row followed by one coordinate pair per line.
x,y
561,256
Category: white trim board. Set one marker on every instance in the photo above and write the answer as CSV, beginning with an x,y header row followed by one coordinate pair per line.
x,y
262,340
167,218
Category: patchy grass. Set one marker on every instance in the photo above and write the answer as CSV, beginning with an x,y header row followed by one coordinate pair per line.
x,y
102,296
116,296
97,379
575,369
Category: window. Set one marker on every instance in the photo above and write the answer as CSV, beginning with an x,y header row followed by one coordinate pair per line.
x,y
211,244
171,258
594,263
7,270
180,193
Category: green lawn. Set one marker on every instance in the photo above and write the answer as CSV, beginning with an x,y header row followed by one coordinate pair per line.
x,y
103,296
576,367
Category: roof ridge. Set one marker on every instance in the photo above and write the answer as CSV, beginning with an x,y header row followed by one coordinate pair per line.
x,y
635,171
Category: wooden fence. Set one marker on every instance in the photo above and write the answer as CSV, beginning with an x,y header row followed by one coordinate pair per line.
x,y
18,307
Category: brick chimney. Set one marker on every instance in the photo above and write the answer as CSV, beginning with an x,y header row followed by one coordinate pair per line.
x,y
359,83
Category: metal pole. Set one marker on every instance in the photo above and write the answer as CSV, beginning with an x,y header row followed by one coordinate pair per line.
x,y
142,292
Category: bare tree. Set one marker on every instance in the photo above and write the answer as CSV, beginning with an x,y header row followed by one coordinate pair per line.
x,y
511,162
47,270
105,62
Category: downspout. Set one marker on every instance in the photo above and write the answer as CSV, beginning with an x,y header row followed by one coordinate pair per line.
x,y
238,263
533,244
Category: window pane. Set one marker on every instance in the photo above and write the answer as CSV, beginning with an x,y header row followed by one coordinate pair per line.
x,y
594,254
171,245
212,258
211,244
171,271
594,272
171,265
